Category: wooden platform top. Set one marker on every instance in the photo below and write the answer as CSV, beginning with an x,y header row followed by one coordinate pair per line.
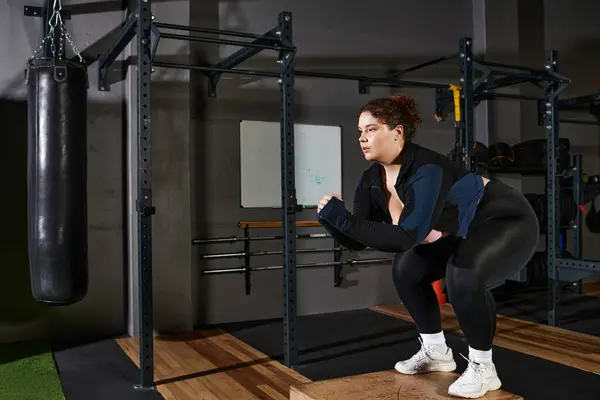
x,y
212,364
570,348
386,385
276,224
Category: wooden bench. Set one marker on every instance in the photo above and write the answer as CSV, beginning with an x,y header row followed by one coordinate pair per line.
x,y
386,385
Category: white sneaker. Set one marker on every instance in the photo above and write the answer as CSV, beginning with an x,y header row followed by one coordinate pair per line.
x,y
427,359
476,381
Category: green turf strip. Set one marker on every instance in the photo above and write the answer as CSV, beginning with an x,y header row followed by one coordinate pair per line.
x,y
28,371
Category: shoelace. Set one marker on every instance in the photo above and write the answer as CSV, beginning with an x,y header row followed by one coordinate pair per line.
x,y
474,371
423,353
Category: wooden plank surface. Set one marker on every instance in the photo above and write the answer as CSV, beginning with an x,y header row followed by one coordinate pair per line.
x,y
386,385
212,364
276,224
570,348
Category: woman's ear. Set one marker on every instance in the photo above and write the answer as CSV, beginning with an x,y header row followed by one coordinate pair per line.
x,y
398,132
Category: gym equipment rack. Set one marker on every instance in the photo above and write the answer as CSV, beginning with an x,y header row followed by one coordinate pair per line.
x,y
574,269
139,24
566,269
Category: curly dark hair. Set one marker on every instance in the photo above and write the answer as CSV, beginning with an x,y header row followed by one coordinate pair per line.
x,y
397,109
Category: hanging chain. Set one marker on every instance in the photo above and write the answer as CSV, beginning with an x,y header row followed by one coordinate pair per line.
x,y
54,21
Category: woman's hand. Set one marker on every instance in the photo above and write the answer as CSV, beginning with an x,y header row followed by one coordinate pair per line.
x,y
433,236
326,199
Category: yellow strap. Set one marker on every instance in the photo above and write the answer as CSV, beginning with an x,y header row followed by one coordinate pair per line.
x,y
456,92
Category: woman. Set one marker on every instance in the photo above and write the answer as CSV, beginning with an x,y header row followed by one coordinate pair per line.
x,y
441,221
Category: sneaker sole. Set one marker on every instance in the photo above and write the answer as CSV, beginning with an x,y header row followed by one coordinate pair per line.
x,y
494,385
439,368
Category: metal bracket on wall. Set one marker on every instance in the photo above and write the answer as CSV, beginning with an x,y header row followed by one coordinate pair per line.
x,y
270,40
37,11
126,33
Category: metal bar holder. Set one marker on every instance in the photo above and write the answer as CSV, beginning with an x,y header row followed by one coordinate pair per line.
x,y
337,269
247,261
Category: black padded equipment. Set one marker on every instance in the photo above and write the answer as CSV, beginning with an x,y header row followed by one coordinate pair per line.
x,y
567,212
537,267
57,180
481,156
532,153
592,219
500,155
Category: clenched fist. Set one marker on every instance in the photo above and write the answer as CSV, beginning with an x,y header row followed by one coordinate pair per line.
x,y
326,199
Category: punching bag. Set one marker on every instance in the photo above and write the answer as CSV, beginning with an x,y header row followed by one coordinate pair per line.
x,y
57,179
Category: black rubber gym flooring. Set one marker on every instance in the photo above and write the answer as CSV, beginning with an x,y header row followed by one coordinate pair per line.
x,y
358,342
576,313
355,342
98,371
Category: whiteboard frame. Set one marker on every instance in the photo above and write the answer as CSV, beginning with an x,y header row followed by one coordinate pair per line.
x,y
304,206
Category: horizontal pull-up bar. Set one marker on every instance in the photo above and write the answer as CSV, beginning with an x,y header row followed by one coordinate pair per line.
x,y
310,74
517,67
531,78
203,68
422,65
579,100
366,79
579,122
207,30
240,43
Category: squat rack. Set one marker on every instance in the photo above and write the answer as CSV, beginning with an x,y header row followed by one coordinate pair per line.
x,y
140,24
559,268
549,106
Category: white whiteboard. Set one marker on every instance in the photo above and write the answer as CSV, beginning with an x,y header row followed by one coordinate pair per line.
x,y
318,163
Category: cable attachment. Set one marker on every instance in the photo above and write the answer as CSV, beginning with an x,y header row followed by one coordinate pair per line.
x,y
56,22
456,89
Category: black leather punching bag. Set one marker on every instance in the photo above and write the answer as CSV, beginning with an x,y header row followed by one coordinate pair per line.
x,y
57,180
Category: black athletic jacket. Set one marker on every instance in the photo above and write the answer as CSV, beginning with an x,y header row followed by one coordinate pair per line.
x,y
437,194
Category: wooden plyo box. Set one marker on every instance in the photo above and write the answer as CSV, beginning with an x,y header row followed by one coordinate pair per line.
x,y
386,385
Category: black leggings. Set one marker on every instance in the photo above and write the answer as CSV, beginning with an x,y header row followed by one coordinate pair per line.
x,y
501,240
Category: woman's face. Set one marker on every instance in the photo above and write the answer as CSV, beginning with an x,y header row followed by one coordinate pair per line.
x,y
377,141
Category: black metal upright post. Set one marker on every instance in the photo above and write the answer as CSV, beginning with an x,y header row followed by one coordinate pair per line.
x,y
552,122
578,196
467,99
288,190
144,207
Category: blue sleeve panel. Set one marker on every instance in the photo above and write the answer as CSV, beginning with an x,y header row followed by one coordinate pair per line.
x,y
422,205
466,194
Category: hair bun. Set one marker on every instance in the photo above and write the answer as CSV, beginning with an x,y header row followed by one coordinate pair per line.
x,y
407,102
